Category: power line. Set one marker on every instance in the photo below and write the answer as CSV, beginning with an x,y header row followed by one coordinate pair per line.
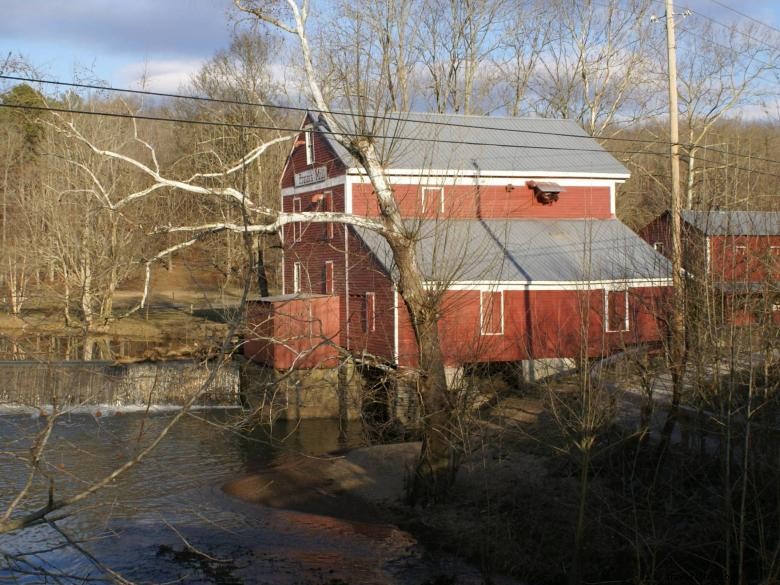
x,y
742,14
397,118
692,32
740,32
748,36
146,117
321,130
413,139
297,129
391,118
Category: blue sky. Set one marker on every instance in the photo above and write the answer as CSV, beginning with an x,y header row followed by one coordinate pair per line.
x,y
117,41
168,39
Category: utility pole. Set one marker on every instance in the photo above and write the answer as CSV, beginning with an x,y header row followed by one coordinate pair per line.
x,y
677,353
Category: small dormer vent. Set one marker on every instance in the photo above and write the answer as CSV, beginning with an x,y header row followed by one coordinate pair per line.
x,y
547,192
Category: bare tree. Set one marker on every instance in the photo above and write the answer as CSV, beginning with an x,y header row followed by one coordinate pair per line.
x,y
722,72
595,66
524,39
23,141
456,40
242,76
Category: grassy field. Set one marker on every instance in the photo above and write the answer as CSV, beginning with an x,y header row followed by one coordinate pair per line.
x,y
187,314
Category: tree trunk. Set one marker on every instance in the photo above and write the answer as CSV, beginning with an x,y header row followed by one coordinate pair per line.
x,y
86,295
438,460
575,573
262,273
107,300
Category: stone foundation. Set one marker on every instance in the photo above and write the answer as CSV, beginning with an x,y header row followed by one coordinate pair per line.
x,y
302,394
535,370
348,392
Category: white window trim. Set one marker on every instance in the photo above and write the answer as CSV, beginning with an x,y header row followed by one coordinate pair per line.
x,y
424,199
627,320
330,206
297,226
309,142
296,277
659,247
371,323
482,312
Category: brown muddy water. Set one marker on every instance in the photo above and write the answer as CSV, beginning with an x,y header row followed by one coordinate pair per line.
x,y
169,521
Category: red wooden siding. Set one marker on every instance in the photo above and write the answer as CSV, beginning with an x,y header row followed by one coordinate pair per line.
x,y
293,332
658,234
369,313
537,324
731,258
323,156
317,248
465,201
327,278
370,317
475,326
745,258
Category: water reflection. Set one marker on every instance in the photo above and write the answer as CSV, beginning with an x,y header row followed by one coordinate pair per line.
x,y
148,525
45,347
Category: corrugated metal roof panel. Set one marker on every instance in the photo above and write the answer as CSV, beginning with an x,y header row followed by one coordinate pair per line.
x,y
481,144
734,223
528,251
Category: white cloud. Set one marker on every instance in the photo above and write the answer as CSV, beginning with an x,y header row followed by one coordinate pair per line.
x,y
167,76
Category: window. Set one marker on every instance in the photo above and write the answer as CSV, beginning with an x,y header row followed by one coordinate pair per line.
x,y
307,133
432,200
296,277
370,312
491,311
297,226
740,250
616,310
328,202
658,247
327,278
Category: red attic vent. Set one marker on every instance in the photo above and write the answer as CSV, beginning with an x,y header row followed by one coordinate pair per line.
x,y
546,193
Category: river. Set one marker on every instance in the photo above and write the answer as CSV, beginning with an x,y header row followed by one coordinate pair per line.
x,y
147,526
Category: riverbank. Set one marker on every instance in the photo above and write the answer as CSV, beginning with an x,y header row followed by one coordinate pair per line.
x,y
362,484
513,509
367,485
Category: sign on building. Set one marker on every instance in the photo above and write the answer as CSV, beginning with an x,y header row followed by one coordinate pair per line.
x,y
310,176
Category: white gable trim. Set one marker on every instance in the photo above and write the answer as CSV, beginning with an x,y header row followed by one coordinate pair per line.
x,y
517,181
417,175
348,182
612,197
514,285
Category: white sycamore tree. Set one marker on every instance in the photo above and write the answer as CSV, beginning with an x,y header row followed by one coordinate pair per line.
x,y
436,464
438,457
